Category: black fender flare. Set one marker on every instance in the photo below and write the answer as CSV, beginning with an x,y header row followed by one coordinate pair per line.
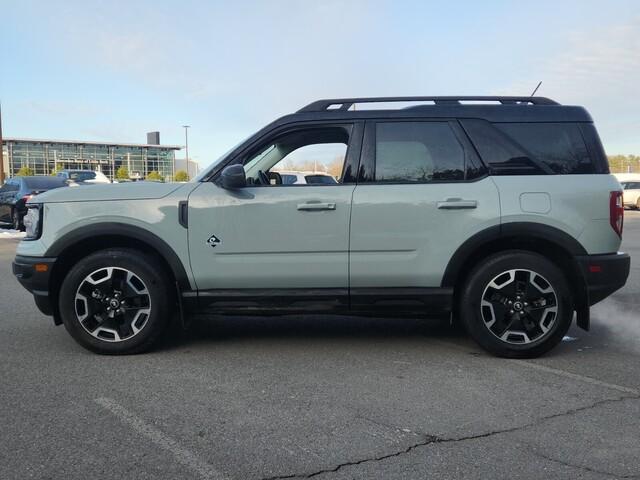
x,y
528,230
531,232
106,229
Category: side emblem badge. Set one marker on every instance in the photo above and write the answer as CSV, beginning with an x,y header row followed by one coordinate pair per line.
x,y
213,241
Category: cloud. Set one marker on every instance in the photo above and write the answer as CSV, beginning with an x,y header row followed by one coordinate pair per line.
x,y
597,68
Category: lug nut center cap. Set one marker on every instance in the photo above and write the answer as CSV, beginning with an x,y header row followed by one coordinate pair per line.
x,y
517,306
114,303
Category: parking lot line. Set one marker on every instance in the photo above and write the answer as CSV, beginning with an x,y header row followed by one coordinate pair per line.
x,y
576,376
557,371
184,456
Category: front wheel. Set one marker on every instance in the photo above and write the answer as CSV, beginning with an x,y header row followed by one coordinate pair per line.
x,y
516,304
115,302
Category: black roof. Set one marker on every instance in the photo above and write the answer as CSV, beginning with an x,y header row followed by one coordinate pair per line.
x,y
491,108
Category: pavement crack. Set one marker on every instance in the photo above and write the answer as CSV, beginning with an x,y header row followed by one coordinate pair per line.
x,y
428,440
432,439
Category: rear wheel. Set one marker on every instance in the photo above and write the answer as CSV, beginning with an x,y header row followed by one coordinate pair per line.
x,y
638,204
115,302
516,304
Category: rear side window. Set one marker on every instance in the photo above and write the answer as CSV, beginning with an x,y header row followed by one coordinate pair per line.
x,y
320,179
532,148
288,179
559,146
417,152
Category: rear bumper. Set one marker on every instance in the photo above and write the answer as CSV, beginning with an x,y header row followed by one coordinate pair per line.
x,y
604,274
33,273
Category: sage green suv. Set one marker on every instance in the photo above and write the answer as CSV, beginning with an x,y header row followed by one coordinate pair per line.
x,y
499,212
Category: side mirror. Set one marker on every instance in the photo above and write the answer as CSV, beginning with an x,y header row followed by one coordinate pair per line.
x,y
233,177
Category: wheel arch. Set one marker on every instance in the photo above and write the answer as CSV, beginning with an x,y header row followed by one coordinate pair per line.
x,y
545,240
81,242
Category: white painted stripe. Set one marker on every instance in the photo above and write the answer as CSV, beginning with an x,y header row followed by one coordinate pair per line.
x,y
576,376
184,456
555,371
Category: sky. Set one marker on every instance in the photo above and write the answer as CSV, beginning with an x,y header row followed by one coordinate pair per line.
x,y
114,70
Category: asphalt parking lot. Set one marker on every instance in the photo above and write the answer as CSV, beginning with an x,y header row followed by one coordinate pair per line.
x,y
321,397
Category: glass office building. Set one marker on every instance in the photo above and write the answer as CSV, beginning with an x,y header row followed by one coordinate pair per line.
x,y
45,156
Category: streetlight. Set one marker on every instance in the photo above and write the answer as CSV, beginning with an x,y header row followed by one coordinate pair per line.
x,y
186,146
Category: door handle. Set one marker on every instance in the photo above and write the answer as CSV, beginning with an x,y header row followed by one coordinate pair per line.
x,y
456,204
316,206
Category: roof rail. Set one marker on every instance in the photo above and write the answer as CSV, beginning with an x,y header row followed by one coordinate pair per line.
x,y
347,103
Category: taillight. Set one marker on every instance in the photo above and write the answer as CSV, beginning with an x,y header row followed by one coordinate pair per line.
x,y
616,212
26,198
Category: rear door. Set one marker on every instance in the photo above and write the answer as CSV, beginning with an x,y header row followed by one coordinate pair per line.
x,y
272,237
421,193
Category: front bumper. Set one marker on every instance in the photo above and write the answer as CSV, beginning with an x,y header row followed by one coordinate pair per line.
x,y
33,273
604,274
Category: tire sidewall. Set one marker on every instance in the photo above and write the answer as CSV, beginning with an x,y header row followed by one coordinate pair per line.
x,y
140,265
487,271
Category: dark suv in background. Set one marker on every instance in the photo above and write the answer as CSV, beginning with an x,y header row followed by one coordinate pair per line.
x,y
15,193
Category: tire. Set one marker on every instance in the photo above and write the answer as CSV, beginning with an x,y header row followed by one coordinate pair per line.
x,y
16,220
516,304
115,302
638,204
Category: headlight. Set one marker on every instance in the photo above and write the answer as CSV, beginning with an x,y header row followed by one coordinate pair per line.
x,y
33,222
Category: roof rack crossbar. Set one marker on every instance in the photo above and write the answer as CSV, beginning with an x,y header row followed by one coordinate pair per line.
x,y
347,103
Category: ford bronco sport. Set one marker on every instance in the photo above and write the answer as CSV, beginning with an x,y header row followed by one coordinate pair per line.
x,y
497,211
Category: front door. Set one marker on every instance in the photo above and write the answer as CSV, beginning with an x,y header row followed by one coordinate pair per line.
x,y
277,238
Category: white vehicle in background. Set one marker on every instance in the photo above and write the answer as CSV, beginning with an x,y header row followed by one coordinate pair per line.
x,y
631,189
306,178
631,193
83,177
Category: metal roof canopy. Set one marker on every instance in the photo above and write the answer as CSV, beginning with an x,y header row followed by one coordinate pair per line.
x,y
80,142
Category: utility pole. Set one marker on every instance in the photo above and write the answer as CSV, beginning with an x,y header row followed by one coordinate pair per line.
x,y
1,151
186,146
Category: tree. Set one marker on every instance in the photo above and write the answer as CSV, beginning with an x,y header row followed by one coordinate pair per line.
x,y
624,163
24,172
122,173
181,176
154,177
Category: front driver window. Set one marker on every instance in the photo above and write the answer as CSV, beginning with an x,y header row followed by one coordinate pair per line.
x,y
313,156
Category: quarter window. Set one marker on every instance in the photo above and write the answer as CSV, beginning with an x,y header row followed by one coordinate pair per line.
x,y
417,152
559,146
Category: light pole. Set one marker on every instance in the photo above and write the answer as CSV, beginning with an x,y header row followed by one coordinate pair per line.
x,y
186,146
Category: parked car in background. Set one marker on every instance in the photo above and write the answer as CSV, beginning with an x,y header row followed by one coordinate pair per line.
x,y
631,194
306,178
83,177
15,193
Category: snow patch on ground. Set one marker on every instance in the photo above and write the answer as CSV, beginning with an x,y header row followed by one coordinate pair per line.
x,y
11,234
